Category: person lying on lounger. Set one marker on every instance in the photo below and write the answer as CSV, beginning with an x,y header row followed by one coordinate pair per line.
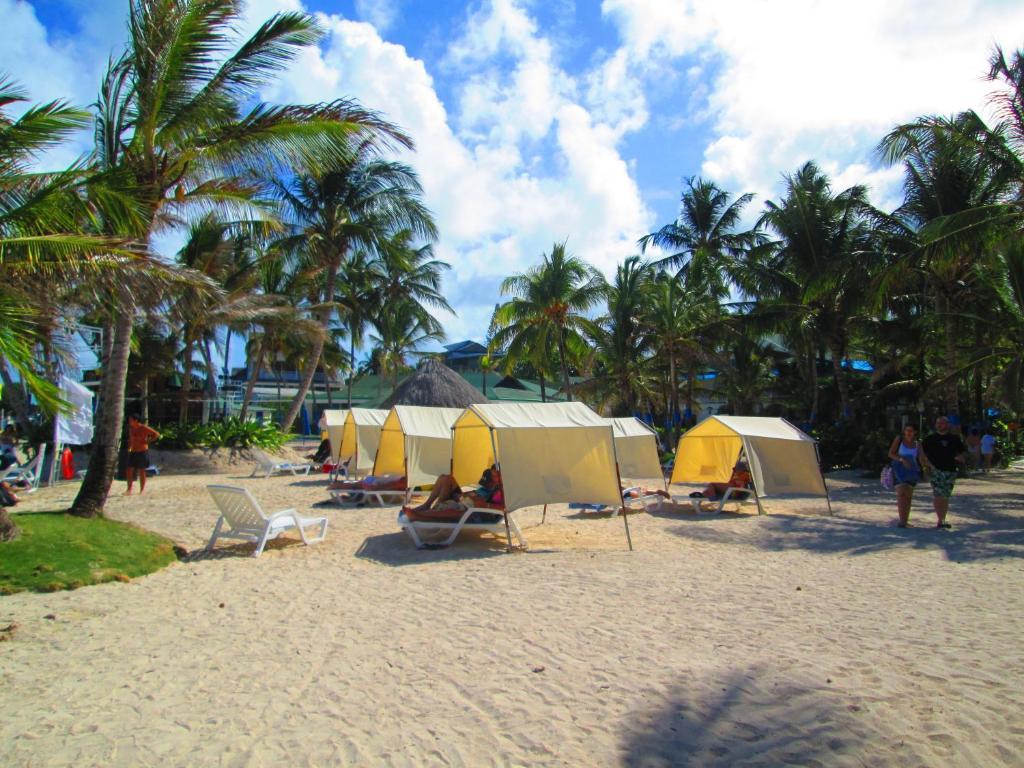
x,y
740,479
371,483
447,494
635,492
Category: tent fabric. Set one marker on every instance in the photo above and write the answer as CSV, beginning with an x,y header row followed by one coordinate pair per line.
x,y
548,452
636,447
75,426
359,437
416,441
782,459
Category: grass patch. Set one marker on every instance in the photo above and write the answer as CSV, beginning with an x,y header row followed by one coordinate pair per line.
x,y
58,551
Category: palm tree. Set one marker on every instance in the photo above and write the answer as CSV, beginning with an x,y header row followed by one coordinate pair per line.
x,y
957,172
173,127
356,295
622,342
702,235
402,330
822,262
360,203
547,308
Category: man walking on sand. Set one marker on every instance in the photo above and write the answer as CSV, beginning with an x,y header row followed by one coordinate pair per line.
x,y
139,438
944,451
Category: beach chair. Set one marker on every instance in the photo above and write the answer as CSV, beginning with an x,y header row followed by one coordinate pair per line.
x,y
27,475
384,489
270,466
473,519
731,496
245,520
642,502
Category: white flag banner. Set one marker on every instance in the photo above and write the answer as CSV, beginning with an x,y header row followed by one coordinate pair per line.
x,y
75,428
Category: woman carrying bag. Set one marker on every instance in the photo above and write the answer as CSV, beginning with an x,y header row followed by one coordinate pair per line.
x,y
908,460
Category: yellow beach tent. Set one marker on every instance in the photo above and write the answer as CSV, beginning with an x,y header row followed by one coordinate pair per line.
x,y
782,459
416,441
358,438
547,453
636,446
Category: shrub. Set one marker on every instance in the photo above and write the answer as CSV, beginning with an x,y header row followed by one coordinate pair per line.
x,y
230,433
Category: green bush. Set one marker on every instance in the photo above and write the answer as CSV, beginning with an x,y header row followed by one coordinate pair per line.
x,y
230,433
873,453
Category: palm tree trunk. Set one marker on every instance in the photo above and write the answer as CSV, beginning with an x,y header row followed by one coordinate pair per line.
x,y
186,382
543,389
673,392
352,365
8,530
92,495
250,383
835,348
145,399
211,379
565,365
314,357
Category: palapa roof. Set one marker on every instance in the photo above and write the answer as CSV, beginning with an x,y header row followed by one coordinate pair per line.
x,y
435,384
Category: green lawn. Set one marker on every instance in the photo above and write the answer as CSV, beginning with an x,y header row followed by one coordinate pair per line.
x,y
58,551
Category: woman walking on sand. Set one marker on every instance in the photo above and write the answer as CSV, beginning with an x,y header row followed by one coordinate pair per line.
x,y
907,462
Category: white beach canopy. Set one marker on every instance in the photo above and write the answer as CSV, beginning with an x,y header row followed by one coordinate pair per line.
x,y
357,438
782,459
547,453
636,447
416,441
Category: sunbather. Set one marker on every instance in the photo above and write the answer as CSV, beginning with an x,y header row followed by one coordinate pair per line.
x,y
371,483
740,479
635,492
448,495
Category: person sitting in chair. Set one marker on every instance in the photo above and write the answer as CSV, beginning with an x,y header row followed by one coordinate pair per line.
x,y
447,495
740,479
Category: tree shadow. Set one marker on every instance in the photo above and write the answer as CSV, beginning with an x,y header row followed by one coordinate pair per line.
x,y
983,533
396,549
230,551
751,717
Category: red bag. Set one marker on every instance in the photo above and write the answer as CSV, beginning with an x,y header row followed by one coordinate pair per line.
x,y
67,464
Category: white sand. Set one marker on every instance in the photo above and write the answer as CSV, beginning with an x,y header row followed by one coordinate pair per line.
x,y
722,640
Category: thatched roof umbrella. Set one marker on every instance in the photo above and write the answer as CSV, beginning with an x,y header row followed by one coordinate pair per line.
x,y
435,384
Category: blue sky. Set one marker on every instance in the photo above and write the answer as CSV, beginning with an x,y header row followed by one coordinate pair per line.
x,y
538,121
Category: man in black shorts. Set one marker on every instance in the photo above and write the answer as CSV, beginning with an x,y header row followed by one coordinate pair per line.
x,y
139,438
944,451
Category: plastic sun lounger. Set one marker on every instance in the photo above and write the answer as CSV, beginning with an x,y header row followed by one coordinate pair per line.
x,y
30,473
381,498
728,497
641,503
455,527
246,520
271,467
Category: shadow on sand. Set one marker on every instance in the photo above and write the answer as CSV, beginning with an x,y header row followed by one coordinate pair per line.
x,y
982,529
397,549
229,551
743,720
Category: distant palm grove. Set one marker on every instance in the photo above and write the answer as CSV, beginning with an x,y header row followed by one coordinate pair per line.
x,y
306,241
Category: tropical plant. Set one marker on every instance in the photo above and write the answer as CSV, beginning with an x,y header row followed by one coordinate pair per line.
x,y
547,310
177,125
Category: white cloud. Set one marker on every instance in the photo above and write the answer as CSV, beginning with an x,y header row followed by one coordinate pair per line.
x,y
803,79
381,13
517,164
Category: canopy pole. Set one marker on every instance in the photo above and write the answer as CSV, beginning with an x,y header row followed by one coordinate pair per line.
x,y
828,500
625,516
545,515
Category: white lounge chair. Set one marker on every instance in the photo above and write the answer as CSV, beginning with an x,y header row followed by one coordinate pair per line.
x,y
246,520
30,473
270,466
731,496
415,527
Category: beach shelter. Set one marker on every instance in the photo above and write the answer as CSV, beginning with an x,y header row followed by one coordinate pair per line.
x,y
636,447
360,436
335,422
416,441
782,459
547,453
435,384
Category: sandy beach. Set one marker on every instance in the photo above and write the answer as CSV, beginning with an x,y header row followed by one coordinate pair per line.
x,y
792,638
